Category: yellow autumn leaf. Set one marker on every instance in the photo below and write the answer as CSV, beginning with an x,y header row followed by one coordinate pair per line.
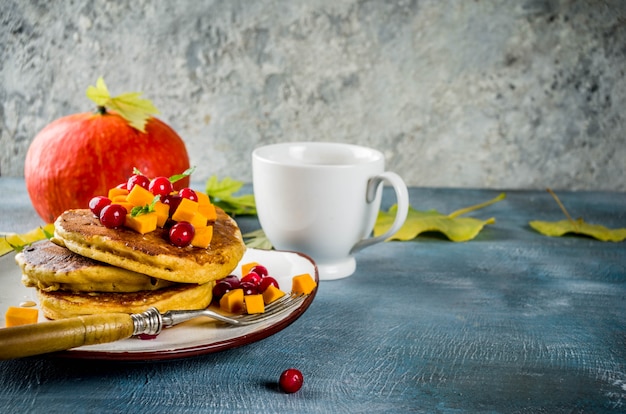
x,y
579,226
560,228
455,228
137,111
14,241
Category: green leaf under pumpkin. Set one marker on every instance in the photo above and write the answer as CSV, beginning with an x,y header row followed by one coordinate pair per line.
x,y
455,228
137,111
578,226
222,194
17,242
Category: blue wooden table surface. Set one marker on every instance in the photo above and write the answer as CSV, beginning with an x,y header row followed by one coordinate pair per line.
x,y
511,321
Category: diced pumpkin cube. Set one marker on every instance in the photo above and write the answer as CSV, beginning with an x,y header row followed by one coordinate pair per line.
x,y
139,196
246,267
271,294
115,191
143,223
17,316
254,303
208,211
119,199
232,301
303,284
202,237
162,211
198,220
185,210
128,206
203,198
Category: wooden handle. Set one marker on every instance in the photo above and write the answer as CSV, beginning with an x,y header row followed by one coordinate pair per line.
x,y
59,335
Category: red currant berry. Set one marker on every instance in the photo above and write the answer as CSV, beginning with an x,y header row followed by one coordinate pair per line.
x,y
252,278
140,180
220,289
188,193
249,288
266,282
160,186
97,203
232,280
259,270
181,234
291,380
123,186
113,216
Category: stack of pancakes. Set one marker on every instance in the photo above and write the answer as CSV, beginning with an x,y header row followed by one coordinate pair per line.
x,y
87,268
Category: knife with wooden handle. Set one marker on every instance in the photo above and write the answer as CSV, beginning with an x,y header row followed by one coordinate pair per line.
x,y
64,334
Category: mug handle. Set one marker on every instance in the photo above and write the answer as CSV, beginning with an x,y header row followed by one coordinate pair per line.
x,y
402,198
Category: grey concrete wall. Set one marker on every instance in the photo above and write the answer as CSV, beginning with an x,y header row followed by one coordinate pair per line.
x,y
462,93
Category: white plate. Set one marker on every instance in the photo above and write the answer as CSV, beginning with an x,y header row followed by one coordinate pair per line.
x,y
200,336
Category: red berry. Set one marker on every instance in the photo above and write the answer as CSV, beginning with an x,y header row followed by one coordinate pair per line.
x,y
249,288
123,186
161,186
173,201
97,203
181,234
266,282
252,278
232,280
291,380
137,179
113,216
259,270
220,289
188,193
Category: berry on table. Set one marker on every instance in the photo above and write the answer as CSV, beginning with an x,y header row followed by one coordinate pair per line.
x,y
291,380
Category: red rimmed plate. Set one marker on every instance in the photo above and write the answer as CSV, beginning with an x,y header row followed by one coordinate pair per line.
x,y
196,337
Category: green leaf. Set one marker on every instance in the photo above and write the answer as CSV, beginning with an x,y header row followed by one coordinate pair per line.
x,y
185,173
137,111
148,208
579,227
222,194
17,242
257,240
455,228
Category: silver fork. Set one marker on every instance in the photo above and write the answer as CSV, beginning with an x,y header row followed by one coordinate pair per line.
x,y
151,322
63,334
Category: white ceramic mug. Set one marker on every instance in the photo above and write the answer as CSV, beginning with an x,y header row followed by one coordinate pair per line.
x,y
322,199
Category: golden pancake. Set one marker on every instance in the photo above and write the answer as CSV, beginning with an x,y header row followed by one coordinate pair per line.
x,y
61,304
151,253
49,267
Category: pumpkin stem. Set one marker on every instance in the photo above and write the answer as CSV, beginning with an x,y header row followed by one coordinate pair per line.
x,y
101,110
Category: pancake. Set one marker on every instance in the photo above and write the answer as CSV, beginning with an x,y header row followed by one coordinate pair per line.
x,y
61,304
49,267
151,253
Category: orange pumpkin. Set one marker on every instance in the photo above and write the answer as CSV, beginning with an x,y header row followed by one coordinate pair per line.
x,y
83,155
